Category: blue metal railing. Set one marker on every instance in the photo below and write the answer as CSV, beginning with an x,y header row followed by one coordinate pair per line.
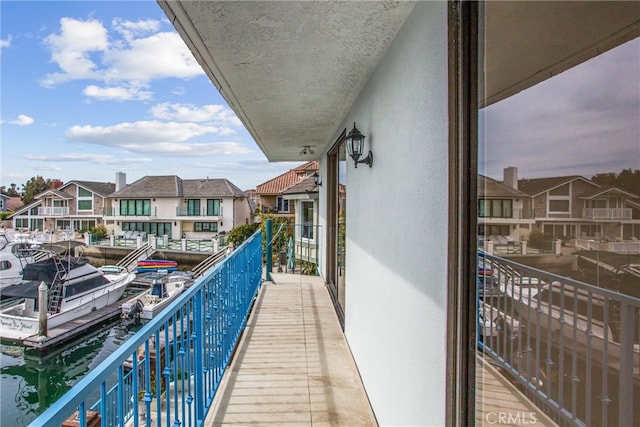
x,y
168,373
572,347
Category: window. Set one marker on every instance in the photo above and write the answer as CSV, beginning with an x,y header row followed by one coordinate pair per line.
x,y
489,208
282,204
213,207
84,205
155,228
85,199
307,219
135,207
559,206
205,226
5,265
193,207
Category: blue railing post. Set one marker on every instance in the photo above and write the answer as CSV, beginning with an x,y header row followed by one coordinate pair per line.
x,y
268,249
199,367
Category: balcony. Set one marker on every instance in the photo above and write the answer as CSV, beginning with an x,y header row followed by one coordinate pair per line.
x,y
606,214
572,347
182,211
51,211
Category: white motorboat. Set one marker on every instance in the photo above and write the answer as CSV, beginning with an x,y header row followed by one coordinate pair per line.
x,y
164,289
15,253
75,288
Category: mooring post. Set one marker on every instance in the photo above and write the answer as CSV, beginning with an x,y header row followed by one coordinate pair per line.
x,y
42,309
268,249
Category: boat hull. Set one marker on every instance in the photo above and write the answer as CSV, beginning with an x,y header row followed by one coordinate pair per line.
x,y
21,320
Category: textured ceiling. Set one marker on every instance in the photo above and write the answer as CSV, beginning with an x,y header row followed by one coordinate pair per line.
x,y
292,69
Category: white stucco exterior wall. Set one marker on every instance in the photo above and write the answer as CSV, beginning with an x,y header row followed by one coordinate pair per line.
x,y
397,217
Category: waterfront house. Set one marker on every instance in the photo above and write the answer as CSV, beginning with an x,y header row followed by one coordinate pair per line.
x,y
3,202
270,192
405,74
175,207
576,207
504,212
76,205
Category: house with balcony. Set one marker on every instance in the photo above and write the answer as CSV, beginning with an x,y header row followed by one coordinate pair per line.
x,y
175,207
270,193
574,206
505,214
76,205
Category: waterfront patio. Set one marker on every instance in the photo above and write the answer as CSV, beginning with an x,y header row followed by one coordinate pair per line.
x,y
293,366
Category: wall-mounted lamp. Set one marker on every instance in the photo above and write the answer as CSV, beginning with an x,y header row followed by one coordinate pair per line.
x,y
316,179
355,145
307,150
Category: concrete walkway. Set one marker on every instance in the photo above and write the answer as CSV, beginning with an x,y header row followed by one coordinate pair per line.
x,y
293,365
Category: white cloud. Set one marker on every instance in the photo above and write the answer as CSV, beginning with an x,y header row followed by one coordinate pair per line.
x,y
5,43
130,29
47,167
133,52
116,93
213,113
142,132
22,120
86,158
71,49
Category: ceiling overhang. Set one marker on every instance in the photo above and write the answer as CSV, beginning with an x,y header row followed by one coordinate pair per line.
x,y
292,70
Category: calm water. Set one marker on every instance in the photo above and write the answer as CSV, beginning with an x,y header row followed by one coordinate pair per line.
x,y
31,383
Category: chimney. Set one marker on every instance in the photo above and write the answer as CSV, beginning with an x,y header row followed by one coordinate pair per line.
x,y
121,180
511,177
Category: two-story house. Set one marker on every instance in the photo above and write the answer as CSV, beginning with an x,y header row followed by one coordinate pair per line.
x,y
272,200
504,212
76,205
574,206
175,207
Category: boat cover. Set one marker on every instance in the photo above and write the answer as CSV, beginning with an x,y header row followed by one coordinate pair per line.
x,y
22,290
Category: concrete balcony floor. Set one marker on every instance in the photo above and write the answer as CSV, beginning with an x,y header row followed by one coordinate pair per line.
x,y
293,367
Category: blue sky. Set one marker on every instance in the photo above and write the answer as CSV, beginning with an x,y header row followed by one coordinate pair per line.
x,y
91,88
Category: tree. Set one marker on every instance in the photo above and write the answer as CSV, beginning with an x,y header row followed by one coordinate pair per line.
x,y
11,191
33,187
628,180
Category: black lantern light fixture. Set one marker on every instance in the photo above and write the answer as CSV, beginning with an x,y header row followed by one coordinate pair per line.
x,y
316,179
355,145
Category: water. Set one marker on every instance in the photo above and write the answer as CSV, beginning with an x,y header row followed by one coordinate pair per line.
x,y
30,383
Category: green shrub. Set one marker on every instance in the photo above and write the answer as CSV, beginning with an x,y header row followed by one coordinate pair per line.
x,y
241,233
100,231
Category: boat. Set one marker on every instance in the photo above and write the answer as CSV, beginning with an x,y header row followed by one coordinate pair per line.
x,y
75,288
15,253
164,289
146,265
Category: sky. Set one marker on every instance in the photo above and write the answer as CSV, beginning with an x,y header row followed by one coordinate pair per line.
x,y
91,88
583,121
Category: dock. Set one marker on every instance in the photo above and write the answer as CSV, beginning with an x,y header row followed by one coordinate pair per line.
x,y
72,329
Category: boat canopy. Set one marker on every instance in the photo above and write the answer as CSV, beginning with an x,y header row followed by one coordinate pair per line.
x,y
22,290
45,270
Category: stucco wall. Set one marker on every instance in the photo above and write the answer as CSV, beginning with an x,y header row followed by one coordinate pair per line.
x,y
395,317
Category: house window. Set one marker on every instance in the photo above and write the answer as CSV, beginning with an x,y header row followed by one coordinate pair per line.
x,y
213,207
22,222
193,207
559,206
282,205
205,226
135,207
155,228
489,208
307,219
85,199
58,203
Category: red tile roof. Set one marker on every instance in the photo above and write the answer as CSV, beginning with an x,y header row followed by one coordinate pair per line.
x,y
281,182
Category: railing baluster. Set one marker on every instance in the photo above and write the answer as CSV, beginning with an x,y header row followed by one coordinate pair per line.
x,y
626,374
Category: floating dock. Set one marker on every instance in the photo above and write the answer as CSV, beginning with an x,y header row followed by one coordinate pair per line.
x,y
70,330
